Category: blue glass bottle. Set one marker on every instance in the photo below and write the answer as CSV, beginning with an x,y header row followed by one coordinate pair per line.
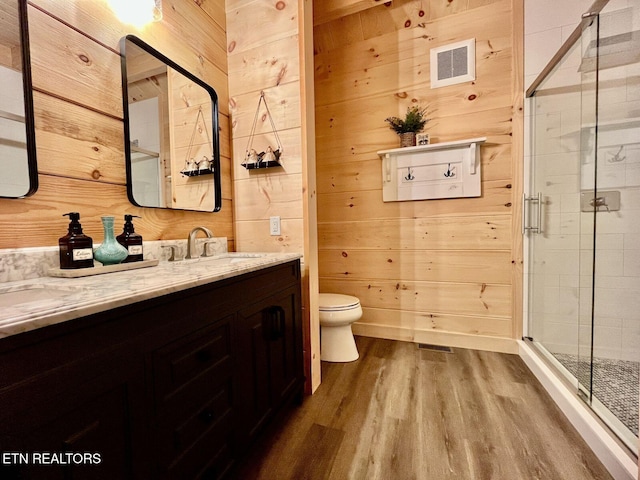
x,y
110,252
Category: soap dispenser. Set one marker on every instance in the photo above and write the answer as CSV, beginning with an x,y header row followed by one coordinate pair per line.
x,y
130,240
76,248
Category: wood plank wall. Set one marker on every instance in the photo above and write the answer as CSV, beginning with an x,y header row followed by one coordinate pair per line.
x,y
10,52
438,271
79,128
266,53
263,57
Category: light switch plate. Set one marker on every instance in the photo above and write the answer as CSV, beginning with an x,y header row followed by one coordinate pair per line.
x,y
274,225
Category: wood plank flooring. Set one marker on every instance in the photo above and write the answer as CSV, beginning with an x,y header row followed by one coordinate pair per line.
x,y
401,413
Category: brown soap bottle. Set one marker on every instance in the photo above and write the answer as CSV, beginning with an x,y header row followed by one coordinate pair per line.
x,y
130,240
76,248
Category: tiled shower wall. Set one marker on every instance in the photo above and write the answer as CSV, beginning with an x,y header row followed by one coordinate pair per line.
x,y
617,303
566,265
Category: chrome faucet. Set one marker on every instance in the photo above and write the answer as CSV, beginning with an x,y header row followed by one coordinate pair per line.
x,y
191,241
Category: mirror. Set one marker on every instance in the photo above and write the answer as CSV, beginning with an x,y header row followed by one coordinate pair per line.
x,y
19,176
171,132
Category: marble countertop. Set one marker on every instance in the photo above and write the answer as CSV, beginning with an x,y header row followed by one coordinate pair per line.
x,y
30,304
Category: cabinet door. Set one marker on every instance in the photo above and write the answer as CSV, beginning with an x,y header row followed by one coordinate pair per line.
x,y
269,353
285,346
252,369
83,433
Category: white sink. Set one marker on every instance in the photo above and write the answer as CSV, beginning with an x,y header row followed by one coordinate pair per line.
x,y
31,294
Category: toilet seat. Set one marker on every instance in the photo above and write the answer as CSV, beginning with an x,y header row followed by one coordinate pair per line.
x,y
336,302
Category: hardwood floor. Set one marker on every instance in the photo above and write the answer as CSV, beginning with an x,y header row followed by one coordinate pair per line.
x,y
401,413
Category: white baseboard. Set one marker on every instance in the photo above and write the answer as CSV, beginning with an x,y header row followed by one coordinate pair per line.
x,y
614,456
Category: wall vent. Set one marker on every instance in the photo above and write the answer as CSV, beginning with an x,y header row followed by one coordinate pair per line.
x,y
435,348
453,63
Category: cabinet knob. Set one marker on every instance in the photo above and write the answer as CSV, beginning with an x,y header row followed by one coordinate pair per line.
x,y
207,415
203,356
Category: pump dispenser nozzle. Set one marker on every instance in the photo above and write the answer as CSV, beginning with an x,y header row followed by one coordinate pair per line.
x,y
128,225
74,225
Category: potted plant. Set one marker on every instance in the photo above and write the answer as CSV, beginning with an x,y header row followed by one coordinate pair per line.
x,y
414,121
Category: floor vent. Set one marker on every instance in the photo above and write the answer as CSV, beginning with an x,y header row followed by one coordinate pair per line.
x,y
434,348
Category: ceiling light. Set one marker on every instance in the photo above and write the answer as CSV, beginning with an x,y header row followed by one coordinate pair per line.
x,y
137,12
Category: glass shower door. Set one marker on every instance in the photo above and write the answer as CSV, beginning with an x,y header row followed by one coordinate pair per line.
x,y
582,218
553,222
611,77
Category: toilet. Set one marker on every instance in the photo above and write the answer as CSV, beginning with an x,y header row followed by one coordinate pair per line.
x,y
337,313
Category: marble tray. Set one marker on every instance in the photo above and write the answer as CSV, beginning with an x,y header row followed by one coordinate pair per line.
x,y
98,270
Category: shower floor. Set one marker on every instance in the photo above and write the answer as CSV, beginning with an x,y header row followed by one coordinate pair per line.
x,y
615,384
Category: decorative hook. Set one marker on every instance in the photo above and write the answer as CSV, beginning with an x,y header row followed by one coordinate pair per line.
x,y
616,156
410,176
450,171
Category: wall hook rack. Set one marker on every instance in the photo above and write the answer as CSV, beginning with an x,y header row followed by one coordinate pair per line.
x,y
436,170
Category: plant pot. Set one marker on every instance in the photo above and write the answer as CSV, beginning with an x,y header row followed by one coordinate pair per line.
x,y
408,139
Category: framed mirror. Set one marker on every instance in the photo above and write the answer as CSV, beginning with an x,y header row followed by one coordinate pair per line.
x,y
19,176
172,141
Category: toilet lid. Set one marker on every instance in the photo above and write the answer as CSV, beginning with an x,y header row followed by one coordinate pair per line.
x,y
335,301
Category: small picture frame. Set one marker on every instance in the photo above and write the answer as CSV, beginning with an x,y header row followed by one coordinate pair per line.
x,y
422,139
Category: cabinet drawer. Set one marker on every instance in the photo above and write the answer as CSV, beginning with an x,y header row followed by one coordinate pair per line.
x,y
275,279
209,418
204,418
252,287
207,459
206,351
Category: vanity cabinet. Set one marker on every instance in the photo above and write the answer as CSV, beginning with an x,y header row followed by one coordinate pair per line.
x,y
68,394
269,342
192,421
176,387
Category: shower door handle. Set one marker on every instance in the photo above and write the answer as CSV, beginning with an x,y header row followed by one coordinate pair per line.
x,y
537,200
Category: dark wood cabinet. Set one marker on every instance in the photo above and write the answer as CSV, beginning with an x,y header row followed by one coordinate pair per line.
x,y
173,387
192,390
73,420
269,341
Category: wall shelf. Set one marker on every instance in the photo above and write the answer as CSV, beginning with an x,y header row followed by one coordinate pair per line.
x,y
262,165
197,173
437,170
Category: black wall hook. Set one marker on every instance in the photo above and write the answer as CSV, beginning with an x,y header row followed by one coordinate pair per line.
x,y
410,176
450,173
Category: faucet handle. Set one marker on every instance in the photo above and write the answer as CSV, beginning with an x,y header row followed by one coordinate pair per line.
x,y
172,257
205,250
